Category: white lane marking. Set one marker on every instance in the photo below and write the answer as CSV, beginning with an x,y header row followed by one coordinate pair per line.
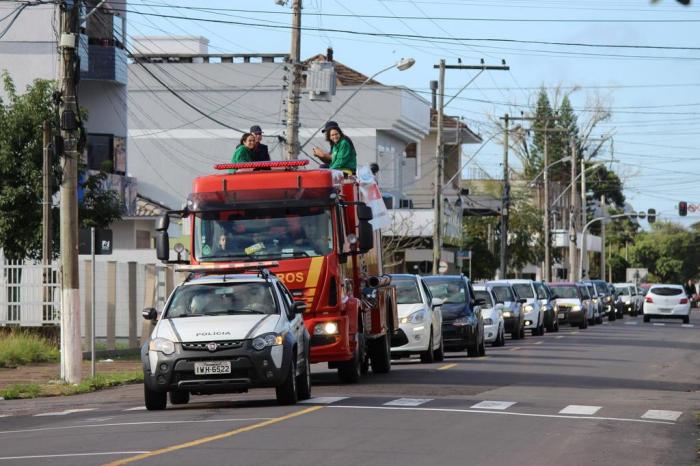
x,y
505,413
408,402
662,415
538,342
631,323
574,333
67,411
324,400
143,423
580,409
493,405
4,415
136,408
97,419
68,455
606,323
658,325
559,337
687,325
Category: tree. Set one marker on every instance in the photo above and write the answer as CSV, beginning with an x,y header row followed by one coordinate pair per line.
x,y
21,155
669,251
484,261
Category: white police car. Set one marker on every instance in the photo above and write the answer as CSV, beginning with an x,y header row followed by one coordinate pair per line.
x,y
226,334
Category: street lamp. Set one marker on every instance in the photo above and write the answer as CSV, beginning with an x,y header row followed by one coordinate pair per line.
x,y
596,165
401,65
563,159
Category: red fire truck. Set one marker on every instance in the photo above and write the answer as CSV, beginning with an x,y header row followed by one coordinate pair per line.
x,y
316,226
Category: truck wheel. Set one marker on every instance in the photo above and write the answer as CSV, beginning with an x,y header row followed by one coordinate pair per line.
x,y
304,381
350,371
179,397
155,401
427,356
287,391
380,354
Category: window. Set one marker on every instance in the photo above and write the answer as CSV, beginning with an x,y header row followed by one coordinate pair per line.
x,y
524,290
407,291
222,299
565,292
503,294
451,290
483,294
143,239
541,292
100,152
666,291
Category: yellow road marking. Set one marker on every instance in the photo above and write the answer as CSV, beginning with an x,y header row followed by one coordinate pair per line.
x,y
213,438
446,366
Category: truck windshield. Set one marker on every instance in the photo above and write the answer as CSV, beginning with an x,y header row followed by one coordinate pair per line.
x,y
221,299
258,234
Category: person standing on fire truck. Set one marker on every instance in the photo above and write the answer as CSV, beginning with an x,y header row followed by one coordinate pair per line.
x,y
342,155
244,151
260,151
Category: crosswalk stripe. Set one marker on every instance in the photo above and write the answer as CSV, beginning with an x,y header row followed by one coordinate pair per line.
x,y
539,342
493,405
136,408
606,323
558,337
687,325
631,323
324,400
658,325
662,415
408,402
63,413
580,409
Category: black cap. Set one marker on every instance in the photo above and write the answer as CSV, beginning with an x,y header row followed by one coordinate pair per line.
x,y
329,126
256,129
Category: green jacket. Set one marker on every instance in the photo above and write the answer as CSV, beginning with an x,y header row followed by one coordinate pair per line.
x,y
343,156
242,154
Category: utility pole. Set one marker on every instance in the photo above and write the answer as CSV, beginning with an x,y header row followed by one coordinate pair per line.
x,y
294,90
602,238
572,215
437,201
71,354
505,201
46,199
547,228
437,227
584,219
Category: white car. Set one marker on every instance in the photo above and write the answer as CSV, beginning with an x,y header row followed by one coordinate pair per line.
x,y
631,297
534,315
492,314
420,319
666,301
226,334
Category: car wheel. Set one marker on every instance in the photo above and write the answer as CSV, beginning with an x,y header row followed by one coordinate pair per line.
x,y
304,380
287,391
155,401
427,356
646,318
583,325
482,346
522,332
515,335
179,397
686,319
611,318
556,326
473,350
439,354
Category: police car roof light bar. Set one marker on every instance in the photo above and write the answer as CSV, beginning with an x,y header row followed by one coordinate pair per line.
x,y
266,164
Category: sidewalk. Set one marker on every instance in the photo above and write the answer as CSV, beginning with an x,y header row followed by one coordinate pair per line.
x,y
45,372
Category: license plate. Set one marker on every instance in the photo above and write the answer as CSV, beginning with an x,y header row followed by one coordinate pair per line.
x,y
212,367
665,309
562,315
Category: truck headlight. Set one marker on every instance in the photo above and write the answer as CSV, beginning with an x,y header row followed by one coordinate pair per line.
x,y
271,339
326,328
162,345
414,318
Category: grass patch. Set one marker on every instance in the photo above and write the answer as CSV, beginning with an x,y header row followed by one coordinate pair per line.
x,y
20,348
92,384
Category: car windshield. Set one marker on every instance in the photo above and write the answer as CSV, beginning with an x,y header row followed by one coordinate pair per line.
x,y
450,290
406,291
222,299
483,294
666,291
591,291
565,292
263,234
623,290
503,294
585,292
524,290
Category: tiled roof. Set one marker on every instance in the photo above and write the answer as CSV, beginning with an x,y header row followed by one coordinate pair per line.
x,y
146,207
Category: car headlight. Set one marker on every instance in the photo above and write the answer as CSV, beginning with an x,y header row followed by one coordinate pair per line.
x,y
529,308
608,298
627,301
576,308
163,345
488,321
461,321
326,328
507,314
271,339
595,300
414,318
544,308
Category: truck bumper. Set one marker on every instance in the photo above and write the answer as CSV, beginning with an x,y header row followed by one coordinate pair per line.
x,y
330,347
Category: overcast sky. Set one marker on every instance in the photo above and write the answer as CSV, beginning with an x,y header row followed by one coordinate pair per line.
x,y
652,92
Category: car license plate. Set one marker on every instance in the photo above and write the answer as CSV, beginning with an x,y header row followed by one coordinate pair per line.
x,y
665,309
212,367
562,315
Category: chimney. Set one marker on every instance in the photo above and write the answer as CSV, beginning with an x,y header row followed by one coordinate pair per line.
x,y
433,89
329,54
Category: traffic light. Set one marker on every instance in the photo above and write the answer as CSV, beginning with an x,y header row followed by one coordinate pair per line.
x,y
682,208
651,215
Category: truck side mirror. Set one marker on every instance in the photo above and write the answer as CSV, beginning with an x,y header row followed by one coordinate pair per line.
x,y
163,223
366,239
149,313
163,246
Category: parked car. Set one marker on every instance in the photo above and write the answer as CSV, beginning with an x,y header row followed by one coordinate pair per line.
x,y
544,294
569,304
513,315
534,315
596,303
420,319
607,299
590,306
630,297
618,305
492,313
226,334
462,323
666,301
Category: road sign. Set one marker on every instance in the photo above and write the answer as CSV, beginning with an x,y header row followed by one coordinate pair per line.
x,y
103,242
442,269
637,275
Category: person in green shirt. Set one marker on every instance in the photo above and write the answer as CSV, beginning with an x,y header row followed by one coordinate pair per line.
x,y
244,151
342,155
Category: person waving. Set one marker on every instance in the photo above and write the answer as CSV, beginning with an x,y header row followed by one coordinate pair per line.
x,y
342,155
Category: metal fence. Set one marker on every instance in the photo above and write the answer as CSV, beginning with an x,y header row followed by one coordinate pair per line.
x,y
29,294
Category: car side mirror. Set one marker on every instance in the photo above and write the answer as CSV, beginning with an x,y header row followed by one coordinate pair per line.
x,y
298,307
522,300
479,301
437,302
150,313
554,296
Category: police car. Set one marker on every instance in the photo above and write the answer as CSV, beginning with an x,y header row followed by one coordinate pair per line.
x,y
226,333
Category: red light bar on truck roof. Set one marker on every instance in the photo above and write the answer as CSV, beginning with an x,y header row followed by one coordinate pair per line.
x,y
270,164
226,268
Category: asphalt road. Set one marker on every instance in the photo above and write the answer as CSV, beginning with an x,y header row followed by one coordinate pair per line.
x,y
615,394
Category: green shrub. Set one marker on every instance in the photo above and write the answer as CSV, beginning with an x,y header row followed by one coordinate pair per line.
x,y
19,348
22,390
